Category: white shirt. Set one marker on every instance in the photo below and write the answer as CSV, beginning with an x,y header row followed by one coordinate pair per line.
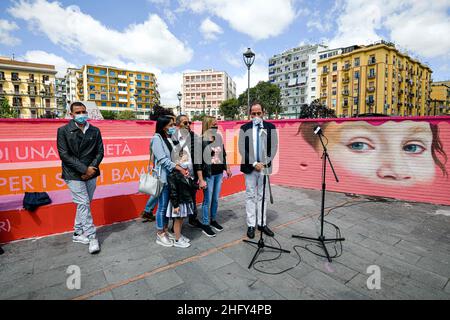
x,y
182,141
86,126
254,142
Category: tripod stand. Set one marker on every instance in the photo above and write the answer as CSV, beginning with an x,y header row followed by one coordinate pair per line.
x,y
261,244
321,239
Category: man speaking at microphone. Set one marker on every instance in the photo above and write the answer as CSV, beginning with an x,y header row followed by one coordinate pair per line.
x,y
258,144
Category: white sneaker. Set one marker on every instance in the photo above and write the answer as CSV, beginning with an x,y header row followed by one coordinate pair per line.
x,y
181,243
171,236
186,239
163,240
80,238
94,246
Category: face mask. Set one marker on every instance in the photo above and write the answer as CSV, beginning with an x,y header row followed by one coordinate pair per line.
x,y
256,121
171,131
185,165
81,118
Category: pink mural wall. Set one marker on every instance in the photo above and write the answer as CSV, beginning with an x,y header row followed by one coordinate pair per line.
x,y
403,158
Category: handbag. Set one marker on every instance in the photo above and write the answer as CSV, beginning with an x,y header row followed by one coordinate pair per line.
x,y
150,182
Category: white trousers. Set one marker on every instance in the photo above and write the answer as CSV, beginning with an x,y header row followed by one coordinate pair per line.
x,y
253,198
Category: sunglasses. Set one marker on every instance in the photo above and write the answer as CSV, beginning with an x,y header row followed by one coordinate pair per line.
x,y
187,123
256,113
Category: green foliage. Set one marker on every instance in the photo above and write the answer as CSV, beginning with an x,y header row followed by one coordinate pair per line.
x,y
316,110
108,115
268,94
6,111
198,117
126,115
230,109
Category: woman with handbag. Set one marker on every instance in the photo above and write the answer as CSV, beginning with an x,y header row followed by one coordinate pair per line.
x,y
162,147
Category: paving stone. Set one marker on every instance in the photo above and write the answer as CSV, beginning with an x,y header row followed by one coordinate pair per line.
x,y
138,290
386,292
390,250
330,287
440,267
214,261
163,281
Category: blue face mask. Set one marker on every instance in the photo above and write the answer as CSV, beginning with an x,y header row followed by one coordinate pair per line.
x,y
81,118
171,131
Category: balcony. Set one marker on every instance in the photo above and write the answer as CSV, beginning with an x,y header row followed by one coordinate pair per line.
x,y
371,75
345,92
121,84
121,76
123,100
372,61
324,71
15,79
323,95
345,80
323,84
370,89
123,92
346,67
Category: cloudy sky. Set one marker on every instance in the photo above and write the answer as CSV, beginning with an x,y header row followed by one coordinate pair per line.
x,y
168,37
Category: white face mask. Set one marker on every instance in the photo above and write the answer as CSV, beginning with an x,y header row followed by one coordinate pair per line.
x,y
257,121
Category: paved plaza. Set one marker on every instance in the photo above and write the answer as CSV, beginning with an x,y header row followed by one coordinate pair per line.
x,y
409,242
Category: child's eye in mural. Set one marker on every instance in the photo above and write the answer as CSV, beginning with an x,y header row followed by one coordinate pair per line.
x,y
414,148
393,153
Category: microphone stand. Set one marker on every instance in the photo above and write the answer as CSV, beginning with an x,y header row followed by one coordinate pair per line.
x,y
322,239
261,244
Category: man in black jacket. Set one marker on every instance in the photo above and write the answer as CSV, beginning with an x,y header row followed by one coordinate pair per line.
x,y
80,147
258,143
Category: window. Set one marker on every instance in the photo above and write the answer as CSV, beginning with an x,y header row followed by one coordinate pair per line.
x,y
313,70
103,104
314,61
334,78
335,66
131,82
356,62
112,81
91,79
103,96
102,72
131,75
102,80
92,96
113,104
356,74
147,77
91,87
303,64
333,91
112,73
139,77
91,70
313,88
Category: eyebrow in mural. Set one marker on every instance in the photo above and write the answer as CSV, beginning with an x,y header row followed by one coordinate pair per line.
x,y
393,153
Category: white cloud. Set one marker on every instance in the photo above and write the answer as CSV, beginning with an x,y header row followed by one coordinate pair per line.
x,y
6,27
416,25
210,30
149,42
234,60
256,18
38,56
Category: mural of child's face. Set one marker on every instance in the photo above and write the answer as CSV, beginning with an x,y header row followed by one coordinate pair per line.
x,y
394,153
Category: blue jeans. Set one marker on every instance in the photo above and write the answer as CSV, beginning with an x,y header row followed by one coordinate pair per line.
x,y
163,202
151,203
211,197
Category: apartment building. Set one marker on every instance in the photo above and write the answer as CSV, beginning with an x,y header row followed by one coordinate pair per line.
x,y
61,95
204,91
114,89
28,87
295,73
375,78
440,98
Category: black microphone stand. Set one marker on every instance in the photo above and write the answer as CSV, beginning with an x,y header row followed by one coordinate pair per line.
x,y
321,239
261,244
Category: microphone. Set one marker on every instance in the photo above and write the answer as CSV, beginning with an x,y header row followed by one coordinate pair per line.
x,y
317,130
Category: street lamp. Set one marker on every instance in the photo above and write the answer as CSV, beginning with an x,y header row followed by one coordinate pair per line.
x,y
249,58
179,95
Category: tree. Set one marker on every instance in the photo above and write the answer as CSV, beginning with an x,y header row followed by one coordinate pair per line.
x,y
126,115
198,117
230,108
268,94
5,109
108,114
159,111
316,110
